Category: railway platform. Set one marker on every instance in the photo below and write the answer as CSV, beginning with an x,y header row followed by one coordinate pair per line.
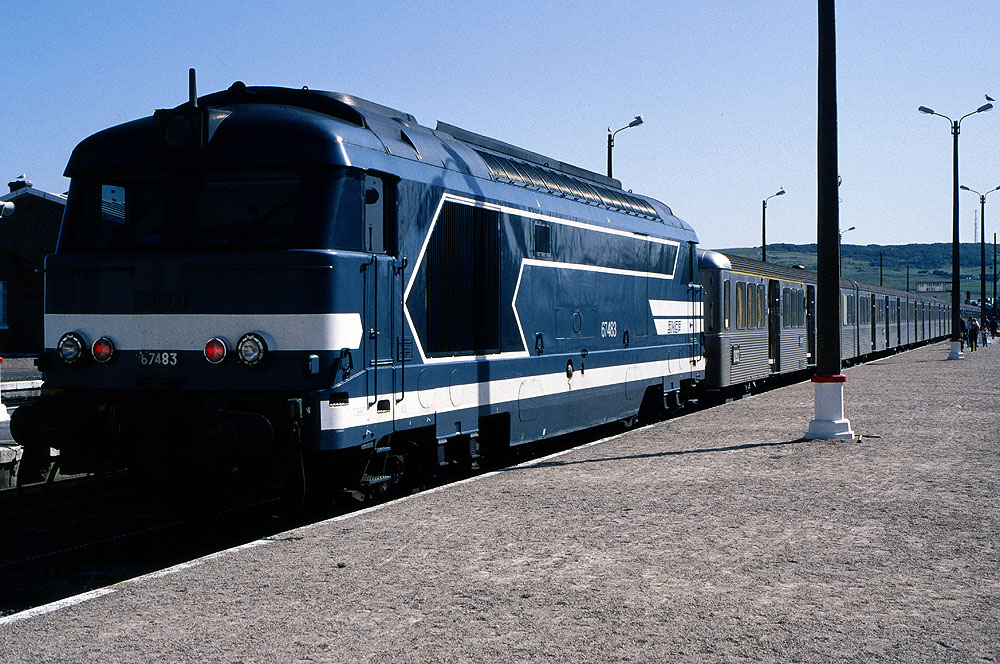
x,y
716,536
20,377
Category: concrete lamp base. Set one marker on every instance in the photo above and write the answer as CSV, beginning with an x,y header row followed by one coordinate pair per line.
x,y
830,421
956,350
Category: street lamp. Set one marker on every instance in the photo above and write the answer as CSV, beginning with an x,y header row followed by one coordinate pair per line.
x,y
611,137
982,249
840,240
763,224
6,208
956,342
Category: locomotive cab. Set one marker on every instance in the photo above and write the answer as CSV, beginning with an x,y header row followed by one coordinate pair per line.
x,y
200,299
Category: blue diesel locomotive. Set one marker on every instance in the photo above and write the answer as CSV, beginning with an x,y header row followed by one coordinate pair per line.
x,y
266,274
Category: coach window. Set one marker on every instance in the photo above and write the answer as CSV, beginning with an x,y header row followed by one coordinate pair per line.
x,y
380,216
761,306
785,316
725,303
762,313
751,306
741,304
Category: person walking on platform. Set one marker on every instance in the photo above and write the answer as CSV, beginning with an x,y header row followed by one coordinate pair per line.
x,y
973,334
993,327
984,332
963,333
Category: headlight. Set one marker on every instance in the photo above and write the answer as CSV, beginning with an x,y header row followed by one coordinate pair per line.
x,y
70,348
251,350
103,350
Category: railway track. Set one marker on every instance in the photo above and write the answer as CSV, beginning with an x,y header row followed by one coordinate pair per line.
x,y
72,536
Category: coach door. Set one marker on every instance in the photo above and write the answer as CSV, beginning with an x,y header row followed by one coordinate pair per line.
x,y
811,323
774,325
899,322
873,316
888,320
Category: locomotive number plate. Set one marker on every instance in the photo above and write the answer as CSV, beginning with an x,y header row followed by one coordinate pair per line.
x,y
158,358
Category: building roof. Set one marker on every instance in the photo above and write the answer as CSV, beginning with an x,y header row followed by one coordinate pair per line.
x,y
32,191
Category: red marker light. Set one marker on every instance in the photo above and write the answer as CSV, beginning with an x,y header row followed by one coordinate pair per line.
x,y
103,349
215,350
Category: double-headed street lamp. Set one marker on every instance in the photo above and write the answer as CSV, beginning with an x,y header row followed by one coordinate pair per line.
x,y
982,250
763,223
611,137
956,342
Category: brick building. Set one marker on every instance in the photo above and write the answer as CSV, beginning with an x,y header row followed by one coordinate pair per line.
x,y
26,237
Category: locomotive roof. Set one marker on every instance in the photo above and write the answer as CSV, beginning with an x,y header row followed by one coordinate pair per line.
x,y
296,126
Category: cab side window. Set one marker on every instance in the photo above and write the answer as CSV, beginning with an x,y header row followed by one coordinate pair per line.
x,y
380,215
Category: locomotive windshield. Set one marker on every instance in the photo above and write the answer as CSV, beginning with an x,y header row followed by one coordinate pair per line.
x,y
214,212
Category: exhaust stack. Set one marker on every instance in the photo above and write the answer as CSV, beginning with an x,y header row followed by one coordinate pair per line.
x,y
192,89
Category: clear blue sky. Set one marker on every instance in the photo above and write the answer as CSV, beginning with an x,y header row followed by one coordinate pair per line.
x,y
727,89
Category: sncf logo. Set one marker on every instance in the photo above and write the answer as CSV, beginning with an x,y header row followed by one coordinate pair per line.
x,y
676,316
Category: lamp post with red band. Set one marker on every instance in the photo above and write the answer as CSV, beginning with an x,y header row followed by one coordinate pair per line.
x,y
829,420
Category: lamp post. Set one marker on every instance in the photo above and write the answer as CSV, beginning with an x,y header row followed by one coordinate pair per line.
x,y
956,125
840,253
982,249
611,137
763,223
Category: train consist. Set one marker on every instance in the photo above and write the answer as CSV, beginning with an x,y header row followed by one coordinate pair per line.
x,y
316,286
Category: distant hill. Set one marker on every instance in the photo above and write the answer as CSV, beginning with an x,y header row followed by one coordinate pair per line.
x,y
927,262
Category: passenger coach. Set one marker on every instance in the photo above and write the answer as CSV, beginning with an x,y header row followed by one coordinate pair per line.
x,y
760,321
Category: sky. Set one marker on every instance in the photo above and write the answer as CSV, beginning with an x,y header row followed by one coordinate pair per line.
x,y
727,90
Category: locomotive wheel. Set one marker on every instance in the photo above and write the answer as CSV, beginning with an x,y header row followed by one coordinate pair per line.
x,y
293,495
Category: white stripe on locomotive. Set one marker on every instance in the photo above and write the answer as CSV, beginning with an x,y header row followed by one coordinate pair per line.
x,y
360,411
191,331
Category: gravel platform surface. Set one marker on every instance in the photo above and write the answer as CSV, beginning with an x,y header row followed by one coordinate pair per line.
x,y
19,368
720,536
